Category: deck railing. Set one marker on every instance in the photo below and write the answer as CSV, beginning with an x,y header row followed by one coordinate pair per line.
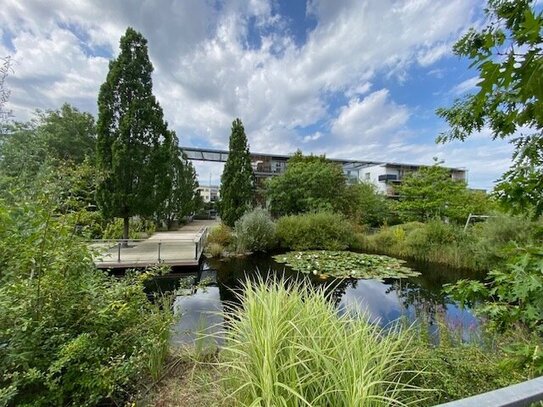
x,y
150,251
200,242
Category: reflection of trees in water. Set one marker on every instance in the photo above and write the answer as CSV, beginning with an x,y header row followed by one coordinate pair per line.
x,y
231,277
424,294
424,301
421,296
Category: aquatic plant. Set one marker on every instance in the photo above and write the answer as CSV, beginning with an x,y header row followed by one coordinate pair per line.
x,y
343,264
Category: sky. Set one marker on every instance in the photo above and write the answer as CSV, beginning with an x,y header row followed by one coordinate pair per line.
x,y
353,79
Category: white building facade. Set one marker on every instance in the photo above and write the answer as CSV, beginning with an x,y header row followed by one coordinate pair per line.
x,y
384,176
209,193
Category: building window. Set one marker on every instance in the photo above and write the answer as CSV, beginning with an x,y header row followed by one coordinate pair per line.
x,y
367,175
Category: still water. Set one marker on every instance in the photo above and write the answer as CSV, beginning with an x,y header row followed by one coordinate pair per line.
x,y
199,307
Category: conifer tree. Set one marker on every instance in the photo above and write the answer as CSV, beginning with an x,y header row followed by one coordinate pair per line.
x,y
237,178
133,144
183,198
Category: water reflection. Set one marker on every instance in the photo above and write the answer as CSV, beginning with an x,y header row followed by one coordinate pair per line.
x,y
383,302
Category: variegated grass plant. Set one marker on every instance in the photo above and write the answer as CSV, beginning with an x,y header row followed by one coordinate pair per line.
x,y
288,346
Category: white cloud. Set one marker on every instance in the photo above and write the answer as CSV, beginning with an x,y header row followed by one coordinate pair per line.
x,y
369,119
429,56
313,137
466,86
207,72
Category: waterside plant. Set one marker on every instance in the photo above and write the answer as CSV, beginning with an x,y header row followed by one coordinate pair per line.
x,y
287,346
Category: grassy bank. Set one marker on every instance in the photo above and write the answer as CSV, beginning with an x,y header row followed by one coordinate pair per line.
x,y
287,345
481,247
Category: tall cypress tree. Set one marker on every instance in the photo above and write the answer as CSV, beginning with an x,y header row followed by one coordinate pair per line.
x,y
183,197
133,144
237,177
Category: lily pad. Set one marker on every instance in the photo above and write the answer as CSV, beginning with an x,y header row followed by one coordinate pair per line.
x,y
343,264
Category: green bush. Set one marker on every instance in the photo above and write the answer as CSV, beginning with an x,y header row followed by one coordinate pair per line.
x,y
321,230
479,248
139,229
215,250
88,224
69,333
459,371
255,232
220,234
290,347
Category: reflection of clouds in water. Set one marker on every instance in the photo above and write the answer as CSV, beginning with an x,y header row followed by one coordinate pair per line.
x,y
198,313
372,297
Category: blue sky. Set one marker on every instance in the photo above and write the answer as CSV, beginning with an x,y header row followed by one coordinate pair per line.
x,y
352,79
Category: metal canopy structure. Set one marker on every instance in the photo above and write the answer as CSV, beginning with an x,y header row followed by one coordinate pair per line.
x,y
205,154
214,155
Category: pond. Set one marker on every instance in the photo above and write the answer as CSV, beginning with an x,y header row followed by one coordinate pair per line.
x,y
383,302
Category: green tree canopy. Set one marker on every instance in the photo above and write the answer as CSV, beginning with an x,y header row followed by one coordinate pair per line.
x,y
183,198
134,143
310,183
237,180
365,205
431,192
507,53
53,137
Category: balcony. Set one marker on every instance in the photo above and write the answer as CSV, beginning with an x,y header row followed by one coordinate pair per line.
x,y
387,177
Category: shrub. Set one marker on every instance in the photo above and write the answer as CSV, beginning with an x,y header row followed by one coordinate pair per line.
x,y
255,232
290,347
139,229
215,249
503,229
221,235
321,230
457,371
70,334
436,242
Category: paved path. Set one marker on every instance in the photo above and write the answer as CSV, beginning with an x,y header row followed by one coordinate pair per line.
x,y
175,248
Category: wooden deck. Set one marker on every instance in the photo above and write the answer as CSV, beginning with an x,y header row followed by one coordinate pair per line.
x,y
182,247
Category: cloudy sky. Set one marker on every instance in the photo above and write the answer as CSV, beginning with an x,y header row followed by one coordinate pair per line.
x,y
357,79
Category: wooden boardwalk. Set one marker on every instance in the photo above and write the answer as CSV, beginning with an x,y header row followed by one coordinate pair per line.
x,y
182,247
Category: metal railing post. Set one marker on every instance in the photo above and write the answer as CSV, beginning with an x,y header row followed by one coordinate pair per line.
x,y
119,252
159,244
196,252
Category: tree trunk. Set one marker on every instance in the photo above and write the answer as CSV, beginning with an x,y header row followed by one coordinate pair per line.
x,y
125,230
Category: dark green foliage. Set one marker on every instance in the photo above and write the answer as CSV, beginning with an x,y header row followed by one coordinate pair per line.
x,y
183,198
365,206
322,230
237,179
512,293
255,232
70,334
431,193
134,145
68,134
508,55
309,183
